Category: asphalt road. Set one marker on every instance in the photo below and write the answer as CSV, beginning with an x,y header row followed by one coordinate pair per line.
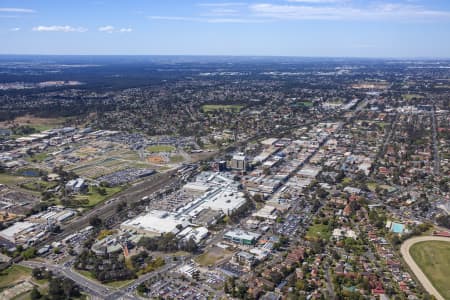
x,y
126,291
92,287
436,166
96,289
415,268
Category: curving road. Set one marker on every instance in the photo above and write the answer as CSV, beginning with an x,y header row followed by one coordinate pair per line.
x,y
415,268
95,288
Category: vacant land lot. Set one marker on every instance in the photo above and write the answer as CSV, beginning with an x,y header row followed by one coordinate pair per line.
x,y
214,107
433,257
13,274
212,256
318,231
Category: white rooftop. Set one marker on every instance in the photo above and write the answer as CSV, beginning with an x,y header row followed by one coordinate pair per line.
x,y
157,222
10,232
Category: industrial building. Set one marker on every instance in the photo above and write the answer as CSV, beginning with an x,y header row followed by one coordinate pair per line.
x,y
23,233
53,214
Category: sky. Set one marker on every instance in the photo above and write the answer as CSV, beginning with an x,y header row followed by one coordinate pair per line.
x,y
311,28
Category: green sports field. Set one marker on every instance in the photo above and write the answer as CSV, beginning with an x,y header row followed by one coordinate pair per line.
x,y
433,257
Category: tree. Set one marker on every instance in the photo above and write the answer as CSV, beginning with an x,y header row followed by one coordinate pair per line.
x,y
54,289
190,245
35,294
121,206
96,222
141,288
444,221
102,191
300,285
29,253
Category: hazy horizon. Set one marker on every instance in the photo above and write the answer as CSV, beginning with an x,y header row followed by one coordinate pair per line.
x,y
297,28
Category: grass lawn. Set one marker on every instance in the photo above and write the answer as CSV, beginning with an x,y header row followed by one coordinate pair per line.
x,y
214,107
13,274
388,188
372,186
86,274
38,157
409,97
383,124
94,197
40,124
39,185
318,231
105,232
160,148
347,180
212,256
336,101
116,284
38,128
433,257
306,103
120,283
176,159
11,179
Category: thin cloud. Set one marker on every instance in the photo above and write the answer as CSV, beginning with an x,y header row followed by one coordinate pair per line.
x,y
125,29
17,10
112,29
208,20
384,11
107,28
222,4
319,1
59,28
235,20
220,11
174,18
15,29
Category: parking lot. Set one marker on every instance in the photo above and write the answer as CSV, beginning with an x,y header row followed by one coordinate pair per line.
x,y
125,176
177,289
